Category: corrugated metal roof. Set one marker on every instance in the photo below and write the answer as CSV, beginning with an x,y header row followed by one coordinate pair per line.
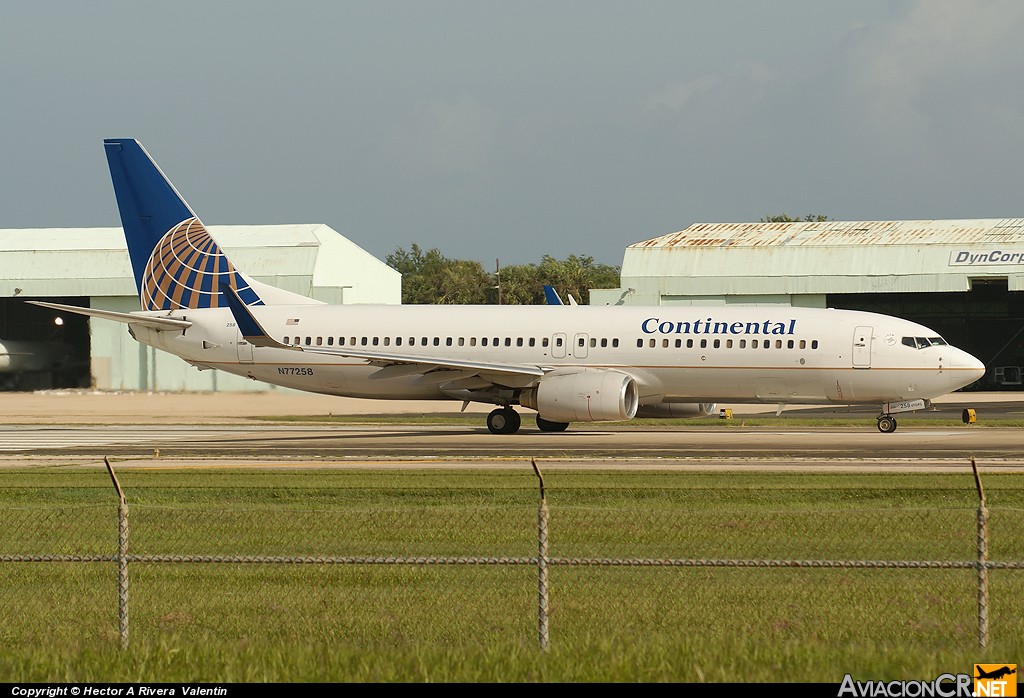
x,y
841,233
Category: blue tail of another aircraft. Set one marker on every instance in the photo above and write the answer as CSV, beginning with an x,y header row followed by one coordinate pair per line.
x,y
176,262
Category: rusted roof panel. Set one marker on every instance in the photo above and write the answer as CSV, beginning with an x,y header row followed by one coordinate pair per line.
x,y
840,233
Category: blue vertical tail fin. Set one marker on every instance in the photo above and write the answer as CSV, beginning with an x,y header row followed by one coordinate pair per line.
x,y
175,261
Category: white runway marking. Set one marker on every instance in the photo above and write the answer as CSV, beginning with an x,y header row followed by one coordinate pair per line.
x,y
14,439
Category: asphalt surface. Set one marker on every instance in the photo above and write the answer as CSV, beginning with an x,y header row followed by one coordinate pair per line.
x,y
224,430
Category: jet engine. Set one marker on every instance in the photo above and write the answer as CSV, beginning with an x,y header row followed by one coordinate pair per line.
x,y
587,395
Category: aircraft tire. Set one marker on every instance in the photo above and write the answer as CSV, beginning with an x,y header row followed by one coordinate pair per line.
x,y
503,420
545,425
886,424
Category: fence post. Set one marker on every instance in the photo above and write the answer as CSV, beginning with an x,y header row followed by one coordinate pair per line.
x,y
982,559
122,557
542,562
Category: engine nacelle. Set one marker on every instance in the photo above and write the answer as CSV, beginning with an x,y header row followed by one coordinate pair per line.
x,y
677,410
586,395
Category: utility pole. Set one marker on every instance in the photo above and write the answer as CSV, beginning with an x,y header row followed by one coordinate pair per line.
x,y
497,278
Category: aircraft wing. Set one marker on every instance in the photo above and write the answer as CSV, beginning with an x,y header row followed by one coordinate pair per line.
x,y
253,332
155,322
427,363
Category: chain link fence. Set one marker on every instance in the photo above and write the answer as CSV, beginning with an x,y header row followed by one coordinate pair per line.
x,y
409,566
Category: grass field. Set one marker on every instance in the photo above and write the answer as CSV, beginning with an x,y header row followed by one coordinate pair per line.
x,y
421,621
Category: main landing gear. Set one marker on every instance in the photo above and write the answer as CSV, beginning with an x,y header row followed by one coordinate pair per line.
x,y
506,420
503,420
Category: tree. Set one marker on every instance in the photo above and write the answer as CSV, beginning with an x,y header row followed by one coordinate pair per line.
x,y
430,277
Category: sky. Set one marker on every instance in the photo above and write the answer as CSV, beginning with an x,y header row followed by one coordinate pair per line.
x,y
506,131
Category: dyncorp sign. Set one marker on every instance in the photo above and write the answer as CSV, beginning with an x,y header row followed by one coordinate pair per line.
x,y
968,258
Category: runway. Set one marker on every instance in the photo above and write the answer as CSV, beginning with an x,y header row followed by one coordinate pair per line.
x,y
436,446
225,431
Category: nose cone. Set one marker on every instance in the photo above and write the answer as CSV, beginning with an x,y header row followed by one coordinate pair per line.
x,y
968,368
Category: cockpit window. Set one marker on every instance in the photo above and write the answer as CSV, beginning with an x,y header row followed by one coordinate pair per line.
x,y
924,342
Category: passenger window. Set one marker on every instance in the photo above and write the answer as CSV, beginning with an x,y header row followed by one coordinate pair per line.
x,y
582,341
462,341
423,341
679,343
743,344
615,343
558,342
604,343
703,344
778,343
387,341
398,341
803,343
728,344
544,342
814,344
284,341
753,344
639,343
437,341
593,342
689,344
664,343
376,341
654,342
718,343
483,341
790,344
472,341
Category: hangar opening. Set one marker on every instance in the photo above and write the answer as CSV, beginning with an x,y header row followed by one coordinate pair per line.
x,y
41,349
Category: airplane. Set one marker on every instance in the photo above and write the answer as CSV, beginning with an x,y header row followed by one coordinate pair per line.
x,y
573,363
996,673
17,356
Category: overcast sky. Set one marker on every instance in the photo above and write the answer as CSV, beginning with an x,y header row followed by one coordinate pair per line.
x,y
516,129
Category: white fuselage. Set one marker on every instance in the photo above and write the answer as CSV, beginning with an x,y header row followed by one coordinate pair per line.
x,y
753,354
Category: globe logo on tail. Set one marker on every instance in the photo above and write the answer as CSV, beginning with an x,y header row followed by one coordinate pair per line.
x,y
185,269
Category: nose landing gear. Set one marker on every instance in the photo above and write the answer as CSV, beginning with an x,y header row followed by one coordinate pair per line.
x,y
886,421
886,424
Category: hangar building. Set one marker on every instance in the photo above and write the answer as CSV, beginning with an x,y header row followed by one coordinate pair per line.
x,y
90,267
963,278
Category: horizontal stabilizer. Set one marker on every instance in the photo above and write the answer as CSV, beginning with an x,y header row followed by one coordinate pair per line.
x,y
155,322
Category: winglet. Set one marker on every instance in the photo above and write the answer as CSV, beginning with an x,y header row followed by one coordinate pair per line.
x,y
250,327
